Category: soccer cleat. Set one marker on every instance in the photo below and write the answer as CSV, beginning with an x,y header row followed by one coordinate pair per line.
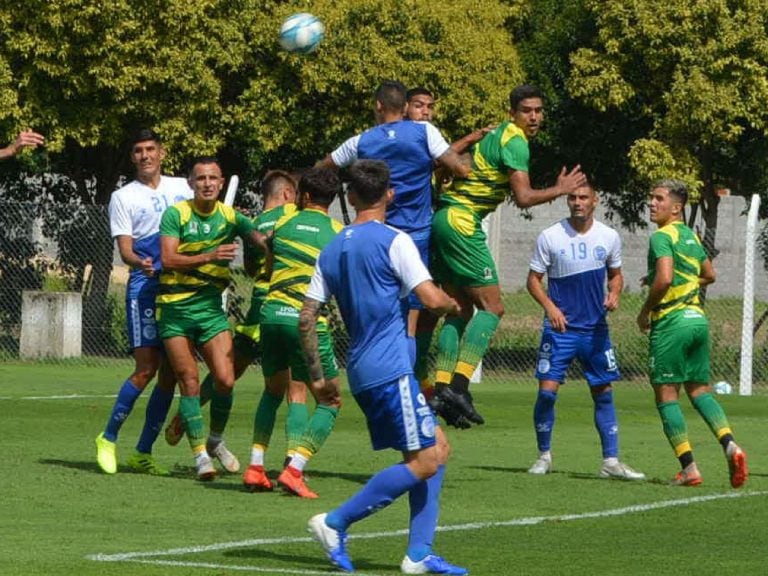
x,y
431,565
205,469
442,404
620,471
737,465
174,432
228,461
106,454
333,542
146,463
689,476
255,479
294,484
543,465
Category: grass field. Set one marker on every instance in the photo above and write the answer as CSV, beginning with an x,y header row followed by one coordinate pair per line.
x,y
60,515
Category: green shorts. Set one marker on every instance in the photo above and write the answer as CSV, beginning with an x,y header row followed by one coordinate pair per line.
x,y
460,254
281,349
197,322
679,350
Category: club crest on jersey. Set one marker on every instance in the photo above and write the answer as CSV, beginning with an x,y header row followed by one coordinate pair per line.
x,y
192,227
487,274
600,253
391,134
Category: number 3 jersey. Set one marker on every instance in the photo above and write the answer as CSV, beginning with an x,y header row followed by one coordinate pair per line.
x,y
576,268
135,210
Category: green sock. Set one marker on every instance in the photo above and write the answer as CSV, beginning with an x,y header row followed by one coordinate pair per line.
x,y
475,342
675,429
264,420
221,407
714,415
206,390
448,349
189,408
318,429
295,424
421,368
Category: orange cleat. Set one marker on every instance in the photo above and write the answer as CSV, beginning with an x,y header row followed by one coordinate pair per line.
x,y
737,465
292,481
255,479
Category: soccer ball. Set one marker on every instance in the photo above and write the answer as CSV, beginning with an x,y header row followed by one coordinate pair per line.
x,y
723,387
301,33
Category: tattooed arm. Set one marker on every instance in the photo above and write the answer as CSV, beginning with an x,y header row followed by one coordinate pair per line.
x,y
308,334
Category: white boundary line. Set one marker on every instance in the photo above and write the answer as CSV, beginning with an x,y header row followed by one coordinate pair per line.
x,y
154,557
59,397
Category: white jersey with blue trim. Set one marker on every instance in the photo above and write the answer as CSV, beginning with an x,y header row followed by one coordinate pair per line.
x,y
135,210
369,268
409,148
576,265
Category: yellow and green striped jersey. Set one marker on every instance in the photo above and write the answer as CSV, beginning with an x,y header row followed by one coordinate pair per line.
x,y
680,243
503,149
199,233
297,241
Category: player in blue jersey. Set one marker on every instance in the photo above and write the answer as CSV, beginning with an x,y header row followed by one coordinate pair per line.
x,y
134,217
410,150
578,254
369,267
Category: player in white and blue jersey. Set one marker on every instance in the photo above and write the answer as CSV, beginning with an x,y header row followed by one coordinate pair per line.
x,y
410,150
579,255
368,268
134,217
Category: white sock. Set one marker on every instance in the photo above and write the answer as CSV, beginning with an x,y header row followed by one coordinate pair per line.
x,y
611,461
298,461
257,456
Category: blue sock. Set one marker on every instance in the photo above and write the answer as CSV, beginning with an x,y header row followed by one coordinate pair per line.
x,y
544,418
379,492
157,409
424,499
126,398
606,424
412,350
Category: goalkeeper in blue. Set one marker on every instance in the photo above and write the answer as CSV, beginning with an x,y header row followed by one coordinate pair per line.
x,y
579,255
369,267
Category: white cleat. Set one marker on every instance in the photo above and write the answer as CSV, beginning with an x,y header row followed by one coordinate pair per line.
x,y
228,461
205,469
620,471
543,465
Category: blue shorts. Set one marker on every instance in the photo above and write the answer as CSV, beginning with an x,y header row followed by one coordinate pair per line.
x,y
398,415
592,348
142,326
421,239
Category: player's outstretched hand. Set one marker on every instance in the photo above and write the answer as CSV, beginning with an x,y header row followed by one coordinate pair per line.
x,y
567,182
225,252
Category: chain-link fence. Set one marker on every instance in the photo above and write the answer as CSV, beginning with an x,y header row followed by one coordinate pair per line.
x,y
67,248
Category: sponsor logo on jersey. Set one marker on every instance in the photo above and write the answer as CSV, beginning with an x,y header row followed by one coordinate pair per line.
x,y
287,311
307,228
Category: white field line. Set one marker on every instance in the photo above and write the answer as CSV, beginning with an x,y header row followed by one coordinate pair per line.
x,y
153,556
59,397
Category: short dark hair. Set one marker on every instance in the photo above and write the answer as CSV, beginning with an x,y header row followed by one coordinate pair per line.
x,y
203,160
676,188
142,135
391,95
523,92
320,184
369,180
418,91
272,181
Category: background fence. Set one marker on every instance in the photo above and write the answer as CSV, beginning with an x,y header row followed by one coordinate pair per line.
x,y
68,248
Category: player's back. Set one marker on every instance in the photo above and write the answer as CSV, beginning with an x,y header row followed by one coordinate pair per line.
x,y
297,241
357,268
405,147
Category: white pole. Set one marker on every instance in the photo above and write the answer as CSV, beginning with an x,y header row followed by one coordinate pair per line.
x,y
229,200
748,311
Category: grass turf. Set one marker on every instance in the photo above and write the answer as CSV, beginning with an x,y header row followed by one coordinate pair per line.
x,y
58,510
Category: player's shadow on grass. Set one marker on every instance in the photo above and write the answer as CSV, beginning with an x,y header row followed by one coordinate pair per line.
x,y
316,561
563,473
177,472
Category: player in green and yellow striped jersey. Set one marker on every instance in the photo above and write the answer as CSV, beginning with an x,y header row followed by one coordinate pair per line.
x,y
463,264
197,245
678,267
297,241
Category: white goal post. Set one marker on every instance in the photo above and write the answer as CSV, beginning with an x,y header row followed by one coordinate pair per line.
x,y
229,200
748,311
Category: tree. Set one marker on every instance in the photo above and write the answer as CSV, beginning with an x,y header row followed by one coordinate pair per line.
x,y
695,74
210,77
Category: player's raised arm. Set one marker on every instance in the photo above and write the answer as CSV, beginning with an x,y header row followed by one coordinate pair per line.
x,y
525,196
25,139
